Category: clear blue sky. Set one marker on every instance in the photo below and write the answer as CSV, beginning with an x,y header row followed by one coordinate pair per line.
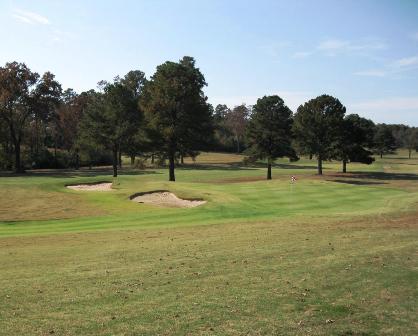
x,y
363,52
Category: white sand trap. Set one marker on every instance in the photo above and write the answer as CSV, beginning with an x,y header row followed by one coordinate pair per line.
x,y
165,199
103,186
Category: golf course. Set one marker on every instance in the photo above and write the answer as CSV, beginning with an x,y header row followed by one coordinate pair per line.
x,y
325,255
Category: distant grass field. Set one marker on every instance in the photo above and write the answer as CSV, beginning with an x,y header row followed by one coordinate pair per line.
x,y
331,255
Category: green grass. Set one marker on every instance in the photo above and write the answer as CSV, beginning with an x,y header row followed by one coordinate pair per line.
x,y
260,258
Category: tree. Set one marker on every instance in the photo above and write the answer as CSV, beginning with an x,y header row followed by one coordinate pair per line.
x,y
134,80
69,116
16,85
136,140
220,113
317,127
175,107
223,136
236,121
43,120
46,99
6,149
411,140
110,115
399,133
384,141
355,139
24,97
269,131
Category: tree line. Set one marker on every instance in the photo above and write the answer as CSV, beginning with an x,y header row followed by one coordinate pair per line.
x,y
167,117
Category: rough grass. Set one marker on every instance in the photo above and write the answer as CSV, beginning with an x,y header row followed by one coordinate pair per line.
x,y
261,258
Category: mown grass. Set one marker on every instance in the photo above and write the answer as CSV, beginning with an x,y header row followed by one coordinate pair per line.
x,y
327,256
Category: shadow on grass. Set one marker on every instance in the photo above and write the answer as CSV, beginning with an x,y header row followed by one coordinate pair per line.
x,y
355,182
407,163
240,166
71,173
293,166
227,167
384,176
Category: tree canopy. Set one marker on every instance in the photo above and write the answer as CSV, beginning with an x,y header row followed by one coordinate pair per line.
x,y
269,131
176,108
355,140
384,141
111,116
237,120
24,96
317,127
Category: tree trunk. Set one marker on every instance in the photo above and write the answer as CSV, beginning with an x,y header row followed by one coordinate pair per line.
x,y
319,165
18,166
132,160
77,160
120,158
344,166
269,170
381,155
37,137
238,146
310,156
55,155
182,159
152,158
115,162
409,153
171,166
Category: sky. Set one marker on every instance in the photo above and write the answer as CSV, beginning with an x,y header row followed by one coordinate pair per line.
x,y
365,53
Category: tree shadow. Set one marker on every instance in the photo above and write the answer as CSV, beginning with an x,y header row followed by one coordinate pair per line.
x,y
355,182
400,158
407,163
72,173
227,167
293,166
285,166
383,176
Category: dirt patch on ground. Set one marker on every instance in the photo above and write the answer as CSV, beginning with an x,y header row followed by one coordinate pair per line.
x,y
101,186
165,198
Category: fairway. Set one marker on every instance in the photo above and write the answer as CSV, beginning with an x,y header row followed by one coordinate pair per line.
x,y
330,255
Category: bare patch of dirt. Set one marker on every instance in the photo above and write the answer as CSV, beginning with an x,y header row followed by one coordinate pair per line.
x,y
102,186
165,198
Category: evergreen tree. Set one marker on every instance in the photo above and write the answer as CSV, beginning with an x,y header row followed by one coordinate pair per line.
x,y
318,126
269,132
110,116
236,121
384,141
223,136
410,140
355,140
135,141
176,109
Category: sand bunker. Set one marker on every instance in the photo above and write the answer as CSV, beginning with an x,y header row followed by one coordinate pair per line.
x,y
165,199
102,186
